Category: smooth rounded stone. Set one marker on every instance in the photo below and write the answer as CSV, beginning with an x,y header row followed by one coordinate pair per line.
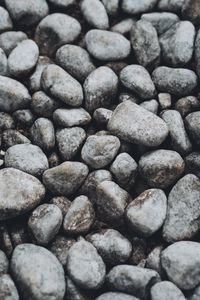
x,y
165,100
62,202
161,168
13,137
178,260
71,117
113,247
153,260
150,105
138,80
116,296
124,169
19,193
24,117
66,178
42,134
6,121
95,14
135,7
44,223
43,105
13,95
171,5
5,20
29,264
146,214
99,151
111,6
144,40
80,217
3,62
192,162
132,123
62,3
162,21
187,105
191,11
60,248
75,60
177,44
124,26
166,290
4,263
178,135
193,124
111,201
8,290
107,46
182,220
69,141
131,279
10,39
63,30
100,88
195,294
28,158
179,82
101,116
59,84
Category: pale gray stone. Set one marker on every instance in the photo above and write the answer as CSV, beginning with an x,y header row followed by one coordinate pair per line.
x,y
165,100
112,6
6,121
5,20
116,296
124,26
95,13
10,39
43,105
135,7
71,117
166,290
150,105
62,3
171,5
8,290
153,260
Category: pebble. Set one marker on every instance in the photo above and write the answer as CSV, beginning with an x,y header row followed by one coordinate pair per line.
x,y
177,44
85,266
3,63
111,6
62,202
137,79
80,217
75,60
6,22
13,137
192,125
30,264
192,162
178,260
64,30
101,116
43,105
131,279
71,117
145,44
45,222
116,296
171,5
100,88
13,95
4,263
107,46
19,192
153,260
8,290
99,151
6,121
166,290
62,3
124,26
191,11
42,134
95,13
179,82
150,105
134,7
161,168
24,117
28,158
165,100
61,85
134,124
187,105
10,39
66,178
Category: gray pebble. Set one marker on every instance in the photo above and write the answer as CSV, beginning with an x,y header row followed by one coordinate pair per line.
x,y
124,26
111,6
100,88
137,79
116,296
8,290
61,85
43,105
192,124
85,266
153,260
135,7
42,134
178,260
192,162
99,151
13,137
19,192
62,3
101,116
4,263
95,13
187,105
177,44
179,82
3,62
24,116
6,121
13,95
64,30
107,46
134,124
62,202
75,292
75,60
171,5
71,117
5,20
10,39
165,100
150,105
145,44
37,273
191,11
66,178
166,290
28,158
60,248
161,168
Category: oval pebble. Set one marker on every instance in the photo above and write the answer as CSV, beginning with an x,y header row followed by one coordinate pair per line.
x,y
95,13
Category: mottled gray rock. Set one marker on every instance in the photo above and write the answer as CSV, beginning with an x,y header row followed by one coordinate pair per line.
x,y
13,95
192,123
137,79
150,105
62,202
165,100
24,116
60,247
13,137
133,280
43,105
192,162
100,88
112,6
10,39
191,11
61,85
153,260
178,260
62,3
171,5
42,134
64,30
161,168
3,62
187,105
99,151
166,290
29,264
19,192
116,296
5,20
179,82
71,117
101,116
95,13
135,7
124,26
145,43
66,178
85,266
4,263
107,46
8,290
6,121
75,60
132,123
177,44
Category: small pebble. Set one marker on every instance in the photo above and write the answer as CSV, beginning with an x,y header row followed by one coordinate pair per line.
x,y
116,296
101,116
71,117
153,260
123,27
165,100
24,117
166,290
42,134
192,162
150,105
191,11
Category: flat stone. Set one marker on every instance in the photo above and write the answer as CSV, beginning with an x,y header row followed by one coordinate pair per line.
x,y
135,7
95,13
166,290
